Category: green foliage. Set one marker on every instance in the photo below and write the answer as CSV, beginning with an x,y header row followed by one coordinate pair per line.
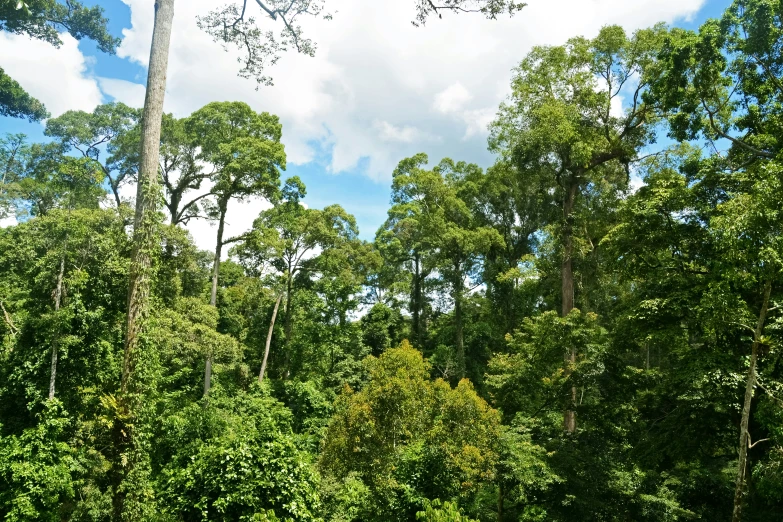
x,y
16,103
653,356
436,511
244,146
236,459
408,438
36,468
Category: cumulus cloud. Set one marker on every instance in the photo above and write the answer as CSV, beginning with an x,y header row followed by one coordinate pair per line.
x,y
377,91
7,221
129,93
58,77
452,98
378,87
401,134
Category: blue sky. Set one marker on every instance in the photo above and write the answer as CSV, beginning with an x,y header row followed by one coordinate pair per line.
x,y
372,97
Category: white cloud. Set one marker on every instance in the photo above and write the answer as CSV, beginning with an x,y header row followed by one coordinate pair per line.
x,y
378,89
373,66
405,134
452,98
129,93
60,78
477,122
616,107
239,218
7,221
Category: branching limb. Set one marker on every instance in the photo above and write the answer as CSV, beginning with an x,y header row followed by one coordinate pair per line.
x,y
8,320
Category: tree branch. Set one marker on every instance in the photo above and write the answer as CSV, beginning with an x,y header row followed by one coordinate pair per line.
x,y
8,320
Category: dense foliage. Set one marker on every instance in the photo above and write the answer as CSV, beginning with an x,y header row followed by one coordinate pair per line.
x,y
534,341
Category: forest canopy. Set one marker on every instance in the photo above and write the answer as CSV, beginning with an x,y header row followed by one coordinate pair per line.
x,y
539,340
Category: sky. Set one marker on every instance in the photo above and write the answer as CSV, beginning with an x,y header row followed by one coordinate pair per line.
x,y
378,89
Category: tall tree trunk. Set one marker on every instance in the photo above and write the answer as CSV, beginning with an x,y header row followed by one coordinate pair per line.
x,y
269,339
58,294
744,439
416,301
147,192
145,232
213,295
458,330
289,324
567,275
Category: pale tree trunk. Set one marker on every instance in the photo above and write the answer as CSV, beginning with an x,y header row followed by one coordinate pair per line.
x,y
458,328
147,191
58,294
289,322
145,233
416,302
269,339
744,439
213,296
567,275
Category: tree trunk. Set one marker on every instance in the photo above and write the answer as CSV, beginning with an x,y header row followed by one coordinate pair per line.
x,y
567,275
116,192
213,296
145,232
58,294
416,302
458,331
148,189
744,439
289,326
269,339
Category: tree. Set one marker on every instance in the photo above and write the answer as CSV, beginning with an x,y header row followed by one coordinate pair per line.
x,y
235,459
147,191
245,152
453,239
87,133
179,169
43,20
503,199
401,242
181,172
724,81
145,228
559,128
287,237
409,438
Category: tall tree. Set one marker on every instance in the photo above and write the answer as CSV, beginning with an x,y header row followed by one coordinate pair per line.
x,y
288,237
454,239
562,129
402,241
87,134
39,179
724,83
180,170
243,147
145,231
